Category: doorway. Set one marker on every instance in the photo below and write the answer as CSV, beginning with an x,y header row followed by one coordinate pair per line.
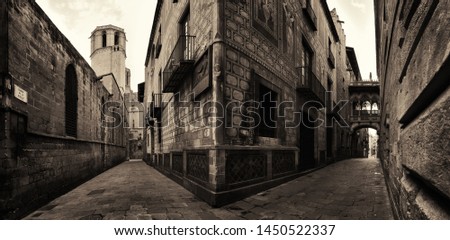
x,y
307,146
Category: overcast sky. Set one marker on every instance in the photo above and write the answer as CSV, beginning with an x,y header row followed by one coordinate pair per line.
x,y
78,18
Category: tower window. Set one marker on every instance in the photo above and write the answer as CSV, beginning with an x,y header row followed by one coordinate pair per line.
x,y
116,38
71,97
104,39
128,78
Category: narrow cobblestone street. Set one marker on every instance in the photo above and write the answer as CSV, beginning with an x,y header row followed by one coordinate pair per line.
x,y
350,189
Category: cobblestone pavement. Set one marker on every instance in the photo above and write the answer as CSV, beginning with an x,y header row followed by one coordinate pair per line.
x,y
350,189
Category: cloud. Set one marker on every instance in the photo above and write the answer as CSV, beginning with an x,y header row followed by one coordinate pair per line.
x,y
358,4
77,12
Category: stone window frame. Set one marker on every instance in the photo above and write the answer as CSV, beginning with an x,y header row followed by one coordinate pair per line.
x,y
261,81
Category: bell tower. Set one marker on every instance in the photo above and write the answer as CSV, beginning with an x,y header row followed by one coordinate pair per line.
x,y
108,53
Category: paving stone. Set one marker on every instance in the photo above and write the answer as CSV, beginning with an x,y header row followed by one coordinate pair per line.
x,y
329,193
159,216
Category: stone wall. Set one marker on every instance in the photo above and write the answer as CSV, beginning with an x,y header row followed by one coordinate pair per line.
x,y
413,65
3,43
181,116
222,163
251,49
38,159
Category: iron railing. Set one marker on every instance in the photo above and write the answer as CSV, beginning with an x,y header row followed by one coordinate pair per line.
x,y
157,100
311,86
156,106
180,62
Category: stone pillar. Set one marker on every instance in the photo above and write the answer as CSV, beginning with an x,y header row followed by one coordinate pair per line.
x,y
218,54
217,169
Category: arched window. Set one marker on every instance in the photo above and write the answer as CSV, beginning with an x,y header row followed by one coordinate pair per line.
x,y
71,97
375,109
104,39
116,38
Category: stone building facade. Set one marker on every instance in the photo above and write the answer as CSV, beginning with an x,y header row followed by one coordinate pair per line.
x,y
414,67
227,84
135,126
56,129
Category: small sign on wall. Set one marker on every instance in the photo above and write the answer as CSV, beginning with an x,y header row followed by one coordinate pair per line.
x,y
20,94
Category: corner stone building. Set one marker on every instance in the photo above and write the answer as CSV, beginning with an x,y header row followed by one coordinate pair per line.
x,y
51,100
226,86
414,69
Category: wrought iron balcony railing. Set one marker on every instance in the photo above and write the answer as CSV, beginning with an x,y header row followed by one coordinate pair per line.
x,y
308,11
157,100
156,106
180,63
311,87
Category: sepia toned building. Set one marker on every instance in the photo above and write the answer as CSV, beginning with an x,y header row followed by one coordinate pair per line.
x,y
55,110
241,94
135,126
413,61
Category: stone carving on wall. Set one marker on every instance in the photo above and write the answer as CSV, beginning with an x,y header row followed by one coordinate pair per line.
x,y
288,30
202,74
265,19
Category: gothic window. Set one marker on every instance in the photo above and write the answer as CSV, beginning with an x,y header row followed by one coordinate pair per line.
x,y
104,39
116,38
71,100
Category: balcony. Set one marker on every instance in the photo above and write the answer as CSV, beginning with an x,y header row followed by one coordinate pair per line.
x,y
331,59
156,106
366,117
311,88
365,84
180,63
364,87
310,15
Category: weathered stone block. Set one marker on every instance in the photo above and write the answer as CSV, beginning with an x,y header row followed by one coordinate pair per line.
x,y
232,80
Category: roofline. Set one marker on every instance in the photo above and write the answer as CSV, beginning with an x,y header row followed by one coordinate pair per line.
x,y
326,9
351,55
377,34
152,35
106,27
